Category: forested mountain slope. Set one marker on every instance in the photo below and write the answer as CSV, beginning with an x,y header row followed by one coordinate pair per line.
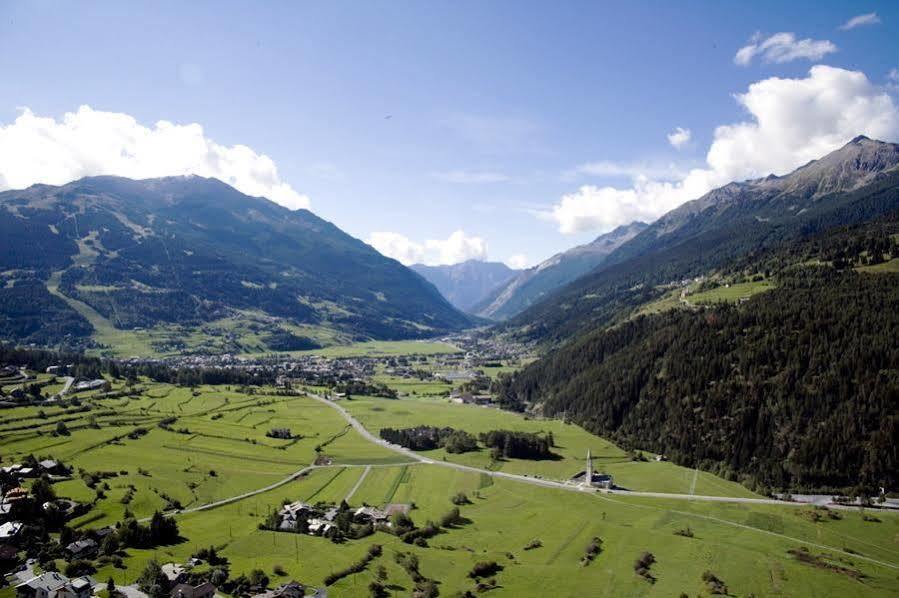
x,y
853,184
190,250
796,388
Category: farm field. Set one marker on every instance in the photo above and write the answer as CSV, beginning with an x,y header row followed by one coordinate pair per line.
x,y
571,440
735,542
214,447
730,293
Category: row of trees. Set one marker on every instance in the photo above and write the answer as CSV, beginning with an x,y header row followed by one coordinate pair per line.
x,y
426,438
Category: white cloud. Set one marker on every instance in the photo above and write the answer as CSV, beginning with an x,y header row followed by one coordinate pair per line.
x,y
870,18
783,47
609,168
456,248
792,121
893,80
679,137
517,261
470,177
36,149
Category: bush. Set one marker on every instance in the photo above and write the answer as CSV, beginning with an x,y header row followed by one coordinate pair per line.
x,y
79,568
461,499
714,585
485,569
643,564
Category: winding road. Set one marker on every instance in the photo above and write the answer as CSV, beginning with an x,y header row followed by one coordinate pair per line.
x,y
600,494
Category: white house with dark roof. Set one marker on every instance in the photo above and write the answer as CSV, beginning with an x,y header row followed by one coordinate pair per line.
x,y
55,585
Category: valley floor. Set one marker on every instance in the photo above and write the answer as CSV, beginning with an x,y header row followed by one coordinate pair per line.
x,y
219,473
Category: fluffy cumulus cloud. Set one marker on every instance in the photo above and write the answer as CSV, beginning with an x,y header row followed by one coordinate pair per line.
x,y
791,122
783,47
870,18
456,248
679,137
88,142
517,261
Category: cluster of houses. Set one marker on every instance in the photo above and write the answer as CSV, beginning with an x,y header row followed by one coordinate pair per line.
x,y
55,585
318,522
13,492
178,577
467,398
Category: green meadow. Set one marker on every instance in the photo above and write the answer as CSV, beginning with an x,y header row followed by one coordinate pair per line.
x,y
216,449
572,443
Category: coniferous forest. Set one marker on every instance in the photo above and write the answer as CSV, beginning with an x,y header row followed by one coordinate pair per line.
x,y
797,388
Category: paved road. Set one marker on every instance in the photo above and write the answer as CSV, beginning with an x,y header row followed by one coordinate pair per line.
x,y
533,481
357,425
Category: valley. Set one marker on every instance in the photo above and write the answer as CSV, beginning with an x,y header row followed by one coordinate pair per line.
x,y
206,460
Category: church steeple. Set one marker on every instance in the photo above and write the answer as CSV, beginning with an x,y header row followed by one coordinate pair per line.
x,y
588,476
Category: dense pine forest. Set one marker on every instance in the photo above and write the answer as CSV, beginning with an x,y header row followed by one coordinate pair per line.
x,y
795,389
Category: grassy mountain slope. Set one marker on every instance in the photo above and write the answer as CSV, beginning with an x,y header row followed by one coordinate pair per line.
x,y
188,251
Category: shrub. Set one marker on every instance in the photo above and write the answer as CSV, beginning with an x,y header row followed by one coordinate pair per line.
x,y
485,569
461,499
643,564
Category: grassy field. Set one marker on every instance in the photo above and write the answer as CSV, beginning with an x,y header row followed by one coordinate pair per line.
x,y
730,293
218,448
889,266
746,547
572,443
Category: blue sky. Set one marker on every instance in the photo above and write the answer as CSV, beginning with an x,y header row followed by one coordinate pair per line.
x,y
498,111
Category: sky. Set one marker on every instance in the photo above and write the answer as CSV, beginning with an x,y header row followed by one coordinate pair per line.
x,y
445,131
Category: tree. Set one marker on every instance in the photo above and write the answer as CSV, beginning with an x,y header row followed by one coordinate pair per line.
x,y
110,588
153,581
42,491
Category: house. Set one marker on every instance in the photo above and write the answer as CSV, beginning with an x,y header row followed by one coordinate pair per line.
x,y
175,573
183,590
10,530
294,589
53,467
82,549
55,585
369,515
319,527
17,493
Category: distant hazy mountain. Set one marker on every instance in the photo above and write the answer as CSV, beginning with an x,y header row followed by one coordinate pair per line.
x,y
190,250
468,283
535,283
852,184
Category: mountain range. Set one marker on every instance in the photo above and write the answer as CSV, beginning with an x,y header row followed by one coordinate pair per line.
x,y
785,375
853,184
189,251
533,284
466,284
